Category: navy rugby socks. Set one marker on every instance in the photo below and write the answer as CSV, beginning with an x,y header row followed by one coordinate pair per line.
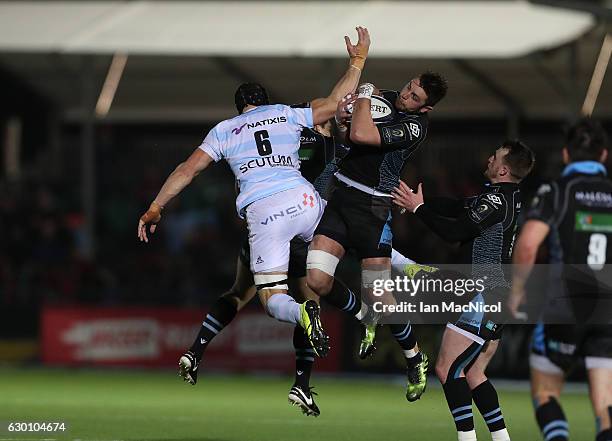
x,y
221,314
304,358
552,421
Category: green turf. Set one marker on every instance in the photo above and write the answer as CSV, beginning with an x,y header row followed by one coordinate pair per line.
x,y
120,405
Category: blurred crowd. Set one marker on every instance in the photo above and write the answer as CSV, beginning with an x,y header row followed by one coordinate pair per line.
x,y
191,258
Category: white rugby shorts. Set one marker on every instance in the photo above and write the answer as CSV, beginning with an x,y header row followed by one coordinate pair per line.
x,y
275,220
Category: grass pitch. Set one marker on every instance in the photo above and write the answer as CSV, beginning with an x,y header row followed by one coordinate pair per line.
x,y
153,405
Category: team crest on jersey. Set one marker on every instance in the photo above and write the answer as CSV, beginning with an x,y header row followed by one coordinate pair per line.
x,y
396,133
482,209
415,129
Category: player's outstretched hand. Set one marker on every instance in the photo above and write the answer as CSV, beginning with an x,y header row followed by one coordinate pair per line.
x,y
404,197
360,50
151,218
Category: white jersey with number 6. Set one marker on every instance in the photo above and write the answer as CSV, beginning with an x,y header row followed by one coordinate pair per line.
x,y
261,146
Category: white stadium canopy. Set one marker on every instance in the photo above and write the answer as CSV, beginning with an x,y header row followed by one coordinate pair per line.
x,y
417,29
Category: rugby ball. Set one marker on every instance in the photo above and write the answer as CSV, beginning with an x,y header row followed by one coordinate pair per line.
x,y
381,109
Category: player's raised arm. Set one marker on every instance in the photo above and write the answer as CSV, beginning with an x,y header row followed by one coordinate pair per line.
x,y
323,109
180,178
363,129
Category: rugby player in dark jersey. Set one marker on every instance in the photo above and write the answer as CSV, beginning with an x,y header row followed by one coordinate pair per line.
x,y
575,214
485,226
319,155
358,214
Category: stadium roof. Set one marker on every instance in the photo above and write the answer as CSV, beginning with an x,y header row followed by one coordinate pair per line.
x,y
417,29
185,59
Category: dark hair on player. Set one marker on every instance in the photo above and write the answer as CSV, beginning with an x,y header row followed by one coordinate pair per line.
x,y
434,85
519,158
250,93
585,140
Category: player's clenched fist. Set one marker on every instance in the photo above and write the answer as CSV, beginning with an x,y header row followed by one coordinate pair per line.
x,y
152,217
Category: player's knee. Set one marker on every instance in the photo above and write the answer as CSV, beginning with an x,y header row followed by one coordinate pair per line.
x,y
603,413
541,395
233,296
321,284
321,267
475,377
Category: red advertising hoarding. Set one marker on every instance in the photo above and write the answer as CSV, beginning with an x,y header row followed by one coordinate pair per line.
x,y
157,337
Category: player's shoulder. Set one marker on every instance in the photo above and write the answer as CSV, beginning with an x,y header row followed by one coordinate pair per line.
x,y
496,196
388,94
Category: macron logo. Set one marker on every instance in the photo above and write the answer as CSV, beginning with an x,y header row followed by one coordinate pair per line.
x,y
237,130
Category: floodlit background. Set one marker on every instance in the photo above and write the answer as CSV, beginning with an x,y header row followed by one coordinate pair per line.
x,y
99,101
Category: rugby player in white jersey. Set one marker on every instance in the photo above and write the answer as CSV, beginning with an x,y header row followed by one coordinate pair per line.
x,y
261,146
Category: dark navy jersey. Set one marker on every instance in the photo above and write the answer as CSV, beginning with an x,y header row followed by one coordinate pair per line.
x,y
315,152
318,155
485,226
380,167
578,210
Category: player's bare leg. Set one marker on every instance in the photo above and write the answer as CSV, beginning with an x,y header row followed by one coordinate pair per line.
x,y
600,390
220,315
546,387
324,255
458,352
484,394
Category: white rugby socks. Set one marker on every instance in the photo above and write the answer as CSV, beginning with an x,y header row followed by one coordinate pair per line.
x,y
500,435
467,436
282,307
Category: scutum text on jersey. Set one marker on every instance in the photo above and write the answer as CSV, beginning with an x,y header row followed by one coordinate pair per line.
x,y
267,161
